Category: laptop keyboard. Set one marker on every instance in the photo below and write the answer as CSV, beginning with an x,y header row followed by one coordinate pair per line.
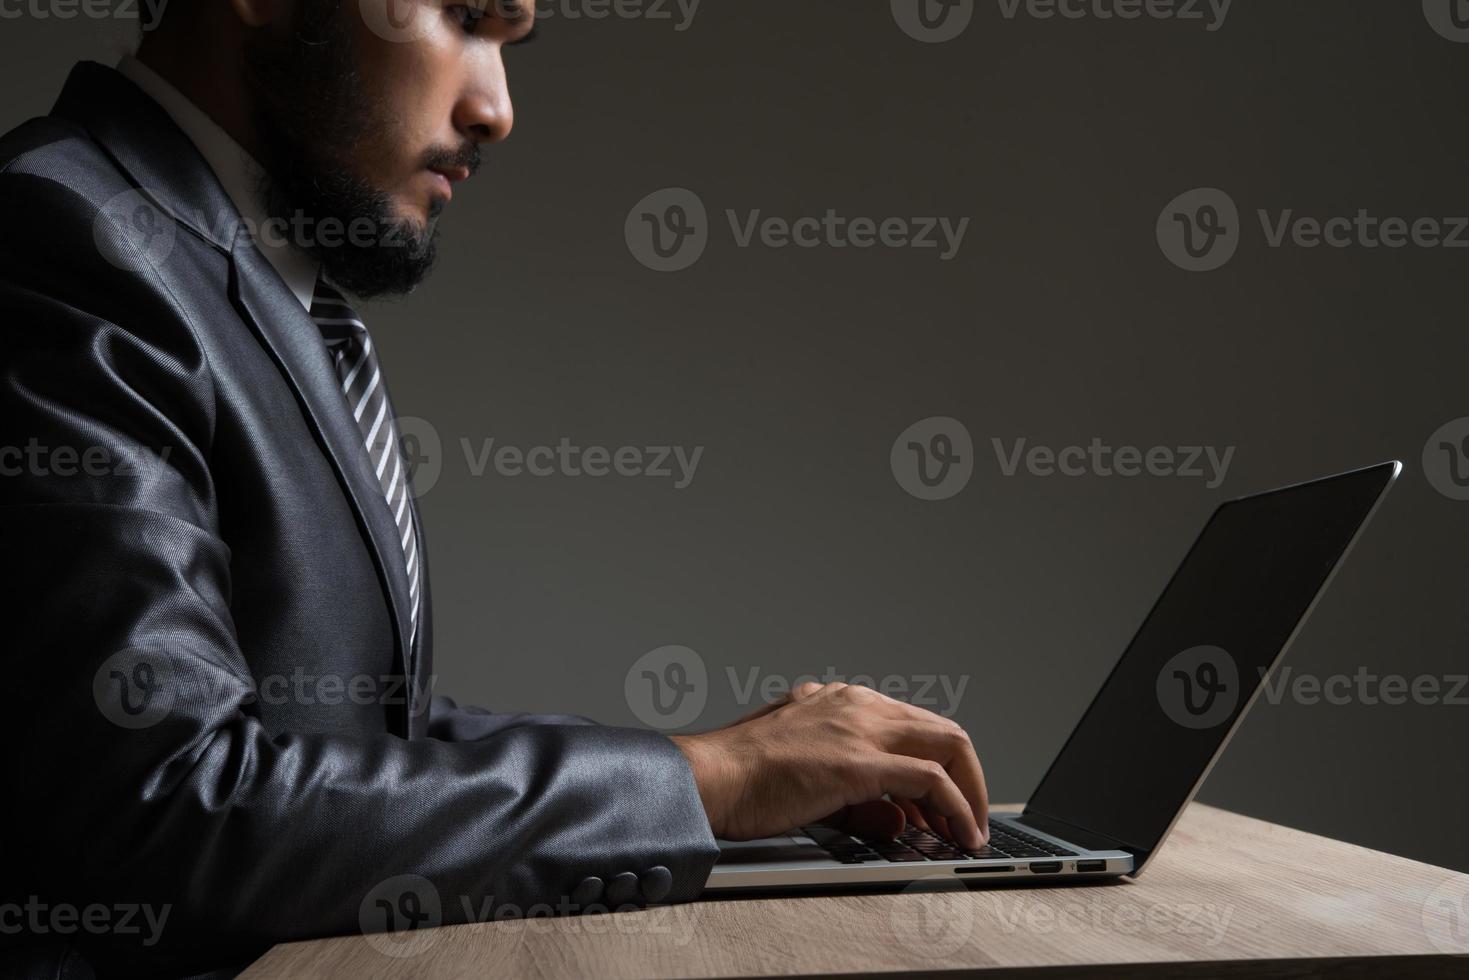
x,y
921,845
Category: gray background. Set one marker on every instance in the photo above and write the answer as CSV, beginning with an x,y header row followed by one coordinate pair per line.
x,y
1061,320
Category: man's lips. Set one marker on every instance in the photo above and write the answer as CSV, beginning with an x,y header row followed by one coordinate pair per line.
x,y
447,177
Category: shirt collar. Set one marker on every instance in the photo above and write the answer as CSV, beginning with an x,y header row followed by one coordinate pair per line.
x,y
238,173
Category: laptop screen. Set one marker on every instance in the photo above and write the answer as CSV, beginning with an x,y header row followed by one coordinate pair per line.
x,y
1201,654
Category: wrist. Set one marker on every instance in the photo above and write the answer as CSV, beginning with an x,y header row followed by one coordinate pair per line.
x,y
710,770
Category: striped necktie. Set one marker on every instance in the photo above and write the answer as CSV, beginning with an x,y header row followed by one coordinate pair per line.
x,y
362,384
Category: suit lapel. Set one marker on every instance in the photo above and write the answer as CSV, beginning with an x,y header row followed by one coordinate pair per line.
x,y
164,164
292,337
423,661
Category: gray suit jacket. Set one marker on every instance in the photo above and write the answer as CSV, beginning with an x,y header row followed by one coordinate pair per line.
x,y
207,625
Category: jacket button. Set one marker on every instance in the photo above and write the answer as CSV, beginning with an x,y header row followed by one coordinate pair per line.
x,y
657,883
622,890
589,892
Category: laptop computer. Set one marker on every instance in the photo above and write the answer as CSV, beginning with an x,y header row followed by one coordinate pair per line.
x,y
1153,731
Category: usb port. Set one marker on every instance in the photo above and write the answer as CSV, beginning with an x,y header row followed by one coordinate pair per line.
x,y
1091,865
1045,867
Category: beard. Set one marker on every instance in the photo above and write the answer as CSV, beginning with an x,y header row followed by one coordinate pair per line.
x,y
313,112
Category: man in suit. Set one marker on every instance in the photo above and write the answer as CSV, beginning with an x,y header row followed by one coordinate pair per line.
x,y
219,613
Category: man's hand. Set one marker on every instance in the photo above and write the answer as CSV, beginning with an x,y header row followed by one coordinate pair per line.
x,y
832,752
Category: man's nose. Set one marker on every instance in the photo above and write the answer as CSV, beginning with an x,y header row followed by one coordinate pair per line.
x,y
484,112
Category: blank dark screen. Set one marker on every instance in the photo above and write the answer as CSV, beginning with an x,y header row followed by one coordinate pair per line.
x,y
1249,578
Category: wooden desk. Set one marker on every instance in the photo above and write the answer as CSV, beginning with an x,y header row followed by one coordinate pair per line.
x,y
1227,895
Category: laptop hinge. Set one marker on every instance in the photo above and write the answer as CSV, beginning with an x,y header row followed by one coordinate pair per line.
x,y
1090,839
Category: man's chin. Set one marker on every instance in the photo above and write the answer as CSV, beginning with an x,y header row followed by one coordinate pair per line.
x,y
394,263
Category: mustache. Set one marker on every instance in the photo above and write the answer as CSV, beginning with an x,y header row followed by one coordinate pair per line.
x,y
443,158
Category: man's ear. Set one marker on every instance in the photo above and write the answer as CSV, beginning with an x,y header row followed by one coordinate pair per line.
x,y
259,13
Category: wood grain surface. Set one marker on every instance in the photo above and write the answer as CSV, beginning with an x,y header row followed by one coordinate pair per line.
x,y
1227,896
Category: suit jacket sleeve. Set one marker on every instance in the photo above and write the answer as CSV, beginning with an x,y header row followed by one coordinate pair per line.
x,y
452,722
250,837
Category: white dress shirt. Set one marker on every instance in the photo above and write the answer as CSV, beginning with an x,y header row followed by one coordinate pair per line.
x,y
238,173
